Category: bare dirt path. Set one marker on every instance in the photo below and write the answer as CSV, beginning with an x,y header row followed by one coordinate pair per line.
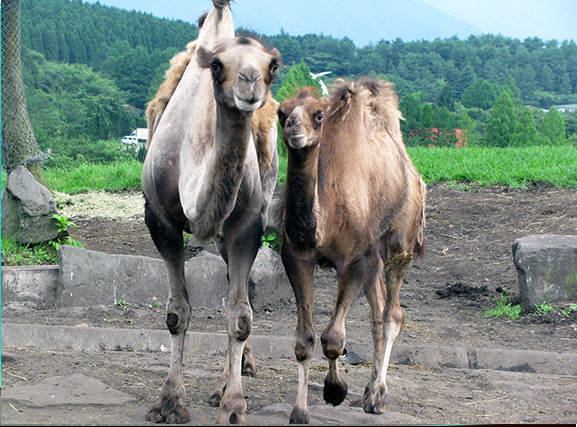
x,y
468,263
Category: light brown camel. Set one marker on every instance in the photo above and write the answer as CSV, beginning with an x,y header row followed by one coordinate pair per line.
x,y
201,176
354,201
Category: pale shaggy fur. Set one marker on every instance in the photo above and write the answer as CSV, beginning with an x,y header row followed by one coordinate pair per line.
x,y
262,121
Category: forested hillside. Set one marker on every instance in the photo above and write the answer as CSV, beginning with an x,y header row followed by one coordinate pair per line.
x,y
105,64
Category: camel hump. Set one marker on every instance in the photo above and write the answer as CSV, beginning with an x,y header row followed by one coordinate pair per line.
x,y
374,97
172,77
263,127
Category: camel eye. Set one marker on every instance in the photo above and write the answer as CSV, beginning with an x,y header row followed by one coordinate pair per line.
x,y
216,66
274,66
320,116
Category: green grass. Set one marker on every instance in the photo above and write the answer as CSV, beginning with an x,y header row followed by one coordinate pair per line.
x,y
15,254
116,176
484,166
514,167
504,307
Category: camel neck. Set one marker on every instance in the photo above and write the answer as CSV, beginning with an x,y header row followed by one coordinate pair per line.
x,y
232,133
301,194
218,192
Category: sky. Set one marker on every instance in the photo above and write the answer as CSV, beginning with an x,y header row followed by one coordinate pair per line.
x,y
546,19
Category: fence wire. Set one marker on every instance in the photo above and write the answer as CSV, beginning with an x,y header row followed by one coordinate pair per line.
x,y
19,145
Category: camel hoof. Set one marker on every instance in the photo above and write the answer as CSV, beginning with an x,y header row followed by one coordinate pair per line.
x,y
335,392
215,398
232,418
232,410
374,402
169,413
372,408
300,416
249,370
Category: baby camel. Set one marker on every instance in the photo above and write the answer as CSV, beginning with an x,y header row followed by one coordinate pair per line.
x,y
353,200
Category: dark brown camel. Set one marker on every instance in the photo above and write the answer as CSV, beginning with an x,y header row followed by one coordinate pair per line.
x,y
201,175
354,201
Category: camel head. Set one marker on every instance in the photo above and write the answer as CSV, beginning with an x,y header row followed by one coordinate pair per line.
x,y
242,71
301,118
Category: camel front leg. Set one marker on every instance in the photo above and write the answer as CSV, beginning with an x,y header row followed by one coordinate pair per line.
x,y
241,250
300,273
168,240
334,336
374,398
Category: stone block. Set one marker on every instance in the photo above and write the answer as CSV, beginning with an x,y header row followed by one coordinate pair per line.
x,y
547,268
92,278
30,286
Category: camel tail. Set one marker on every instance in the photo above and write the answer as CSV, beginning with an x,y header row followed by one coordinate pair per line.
x,y
419,248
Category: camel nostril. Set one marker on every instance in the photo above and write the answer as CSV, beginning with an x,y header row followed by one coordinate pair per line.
x,y
293,122
251,76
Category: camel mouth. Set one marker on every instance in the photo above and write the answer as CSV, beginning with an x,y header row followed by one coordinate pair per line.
x,y
298,141
246,105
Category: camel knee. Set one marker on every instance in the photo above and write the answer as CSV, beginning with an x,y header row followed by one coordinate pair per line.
x,y
177,315
240,322
333,341
305,346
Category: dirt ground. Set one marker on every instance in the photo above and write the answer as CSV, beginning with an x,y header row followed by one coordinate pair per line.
x,y
468,263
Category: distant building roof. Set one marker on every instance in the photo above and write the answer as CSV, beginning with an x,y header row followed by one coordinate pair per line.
x,y
566,107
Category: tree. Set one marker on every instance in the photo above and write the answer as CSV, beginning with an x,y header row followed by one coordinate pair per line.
x,y
295,79
411,107
446,98
525,132
466,124
553,127
480,94
502,122
19,145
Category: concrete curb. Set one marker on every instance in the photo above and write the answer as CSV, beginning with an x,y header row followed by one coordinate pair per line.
x,y
76,338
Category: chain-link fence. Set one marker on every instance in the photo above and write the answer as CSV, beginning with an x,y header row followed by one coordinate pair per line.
x,y
19,145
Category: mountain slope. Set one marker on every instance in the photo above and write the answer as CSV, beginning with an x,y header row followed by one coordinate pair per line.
x,y
362,21
368,21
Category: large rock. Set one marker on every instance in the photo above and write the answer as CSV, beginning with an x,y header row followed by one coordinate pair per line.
x,y
91,277
547,268
27,209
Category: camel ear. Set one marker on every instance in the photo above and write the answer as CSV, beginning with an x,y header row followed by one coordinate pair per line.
x,y
281,116
203,57
276,54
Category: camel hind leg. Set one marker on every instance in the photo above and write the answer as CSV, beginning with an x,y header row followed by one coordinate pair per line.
x,y
169,242
387,319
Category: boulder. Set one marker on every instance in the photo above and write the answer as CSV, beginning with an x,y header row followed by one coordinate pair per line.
x,y
27,209
547,268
